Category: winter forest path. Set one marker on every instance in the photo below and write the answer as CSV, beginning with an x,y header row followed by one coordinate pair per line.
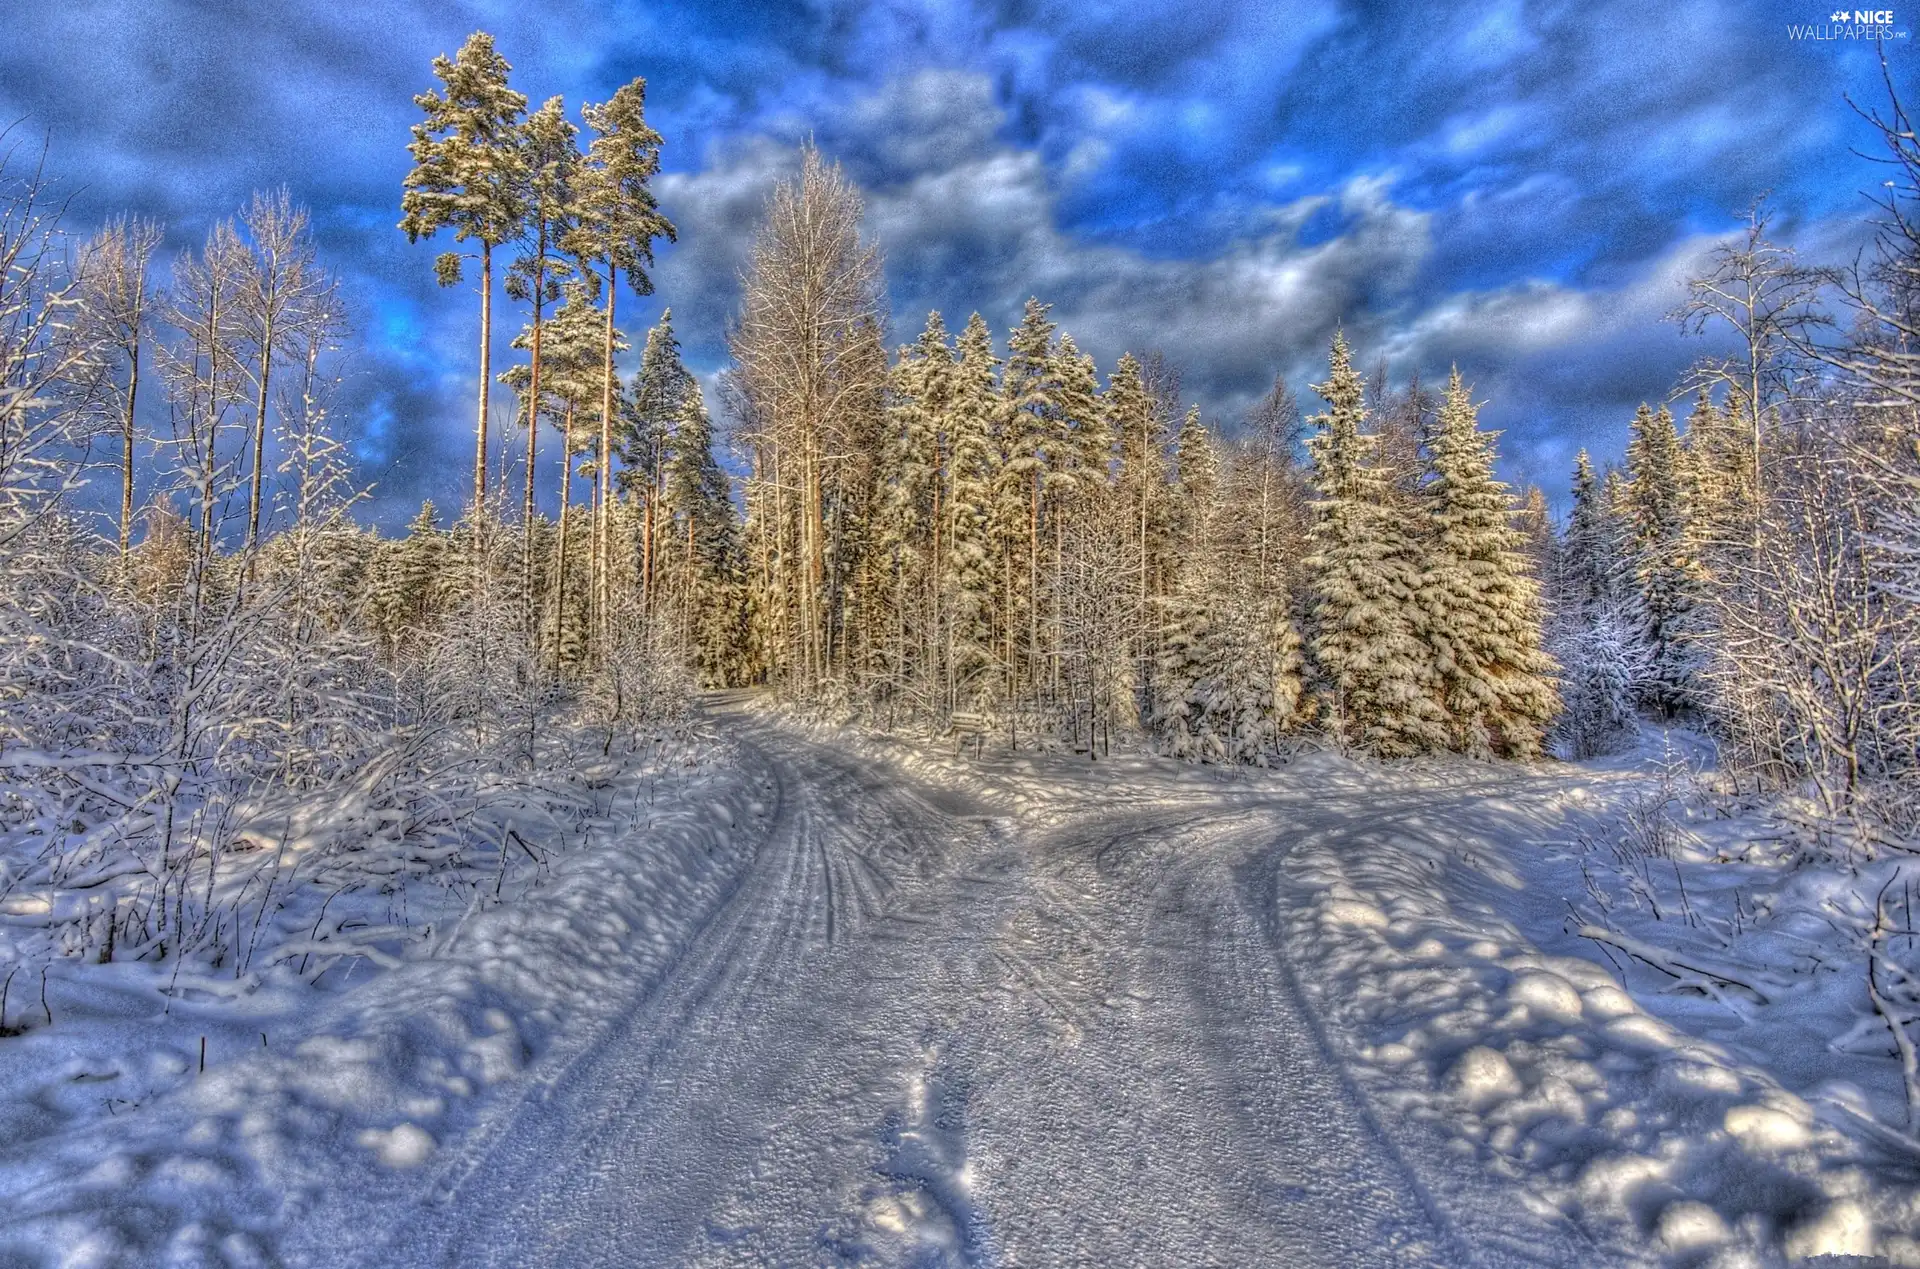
x,y
929,1029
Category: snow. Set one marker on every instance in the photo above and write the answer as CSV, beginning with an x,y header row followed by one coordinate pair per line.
x,y
816,995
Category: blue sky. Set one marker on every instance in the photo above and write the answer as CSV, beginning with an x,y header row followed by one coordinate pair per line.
x,y
1517,188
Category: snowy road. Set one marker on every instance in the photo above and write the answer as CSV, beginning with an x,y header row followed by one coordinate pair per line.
x,y
803,995
922,1031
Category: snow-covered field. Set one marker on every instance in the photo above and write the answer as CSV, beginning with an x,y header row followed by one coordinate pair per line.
x,y
804,995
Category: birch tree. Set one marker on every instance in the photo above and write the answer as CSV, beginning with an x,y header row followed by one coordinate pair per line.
x,y
282,287
808,358
117,297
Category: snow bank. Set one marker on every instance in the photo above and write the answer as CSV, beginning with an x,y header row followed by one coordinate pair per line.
x,y
122,1149
1419,936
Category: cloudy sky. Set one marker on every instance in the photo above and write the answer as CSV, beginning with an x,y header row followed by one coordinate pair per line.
x,y
1516,188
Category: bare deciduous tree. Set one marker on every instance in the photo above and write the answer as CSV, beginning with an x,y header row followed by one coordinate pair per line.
x,y
116,296
809,357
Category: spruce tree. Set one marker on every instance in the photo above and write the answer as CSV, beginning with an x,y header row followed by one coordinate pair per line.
x,y
468,176
1534,523
1481,604
1080,452
1031,394
1376,671
1665,567
1597,633
913,506
971,411
1228,672
1196,473
1720,471
644,434
403,580
1133,419
1583,569
700,510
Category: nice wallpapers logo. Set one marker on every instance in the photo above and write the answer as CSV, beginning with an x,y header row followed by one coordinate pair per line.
x,y
1849,24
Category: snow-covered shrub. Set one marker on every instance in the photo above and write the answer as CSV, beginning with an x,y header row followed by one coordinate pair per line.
x,y
1603,666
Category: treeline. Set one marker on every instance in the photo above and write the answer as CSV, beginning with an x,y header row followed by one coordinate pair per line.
x,y
957,527
956,531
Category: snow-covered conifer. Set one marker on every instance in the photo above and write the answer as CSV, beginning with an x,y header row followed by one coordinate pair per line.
x,y
1480,600
1375,670
1666,569
972,408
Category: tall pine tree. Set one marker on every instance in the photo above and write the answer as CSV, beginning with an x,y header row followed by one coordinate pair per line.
x,y
469,176
618,220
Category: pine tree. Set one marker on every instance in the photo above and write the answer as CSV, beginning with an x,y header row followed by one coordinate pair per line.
x,y
1666,569
1376,671
572,386
619,219
468,176
551,163
1481,603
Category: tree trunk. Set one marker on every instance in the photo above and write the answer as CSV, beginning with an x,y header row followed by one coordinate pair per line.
x,y
603,484
1033,584
686,598
127,441
560,555
533,430
936,569
1146,493
260,430
646,547
486,375
213,429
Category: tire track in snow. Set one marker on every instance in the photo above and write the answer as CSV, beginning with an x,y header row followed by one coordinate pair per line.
x,y
919,1034
1472,1222
637,1111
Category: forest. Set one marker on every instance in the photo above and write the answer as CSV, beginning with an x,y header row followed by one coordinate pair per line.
x,y
955,535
